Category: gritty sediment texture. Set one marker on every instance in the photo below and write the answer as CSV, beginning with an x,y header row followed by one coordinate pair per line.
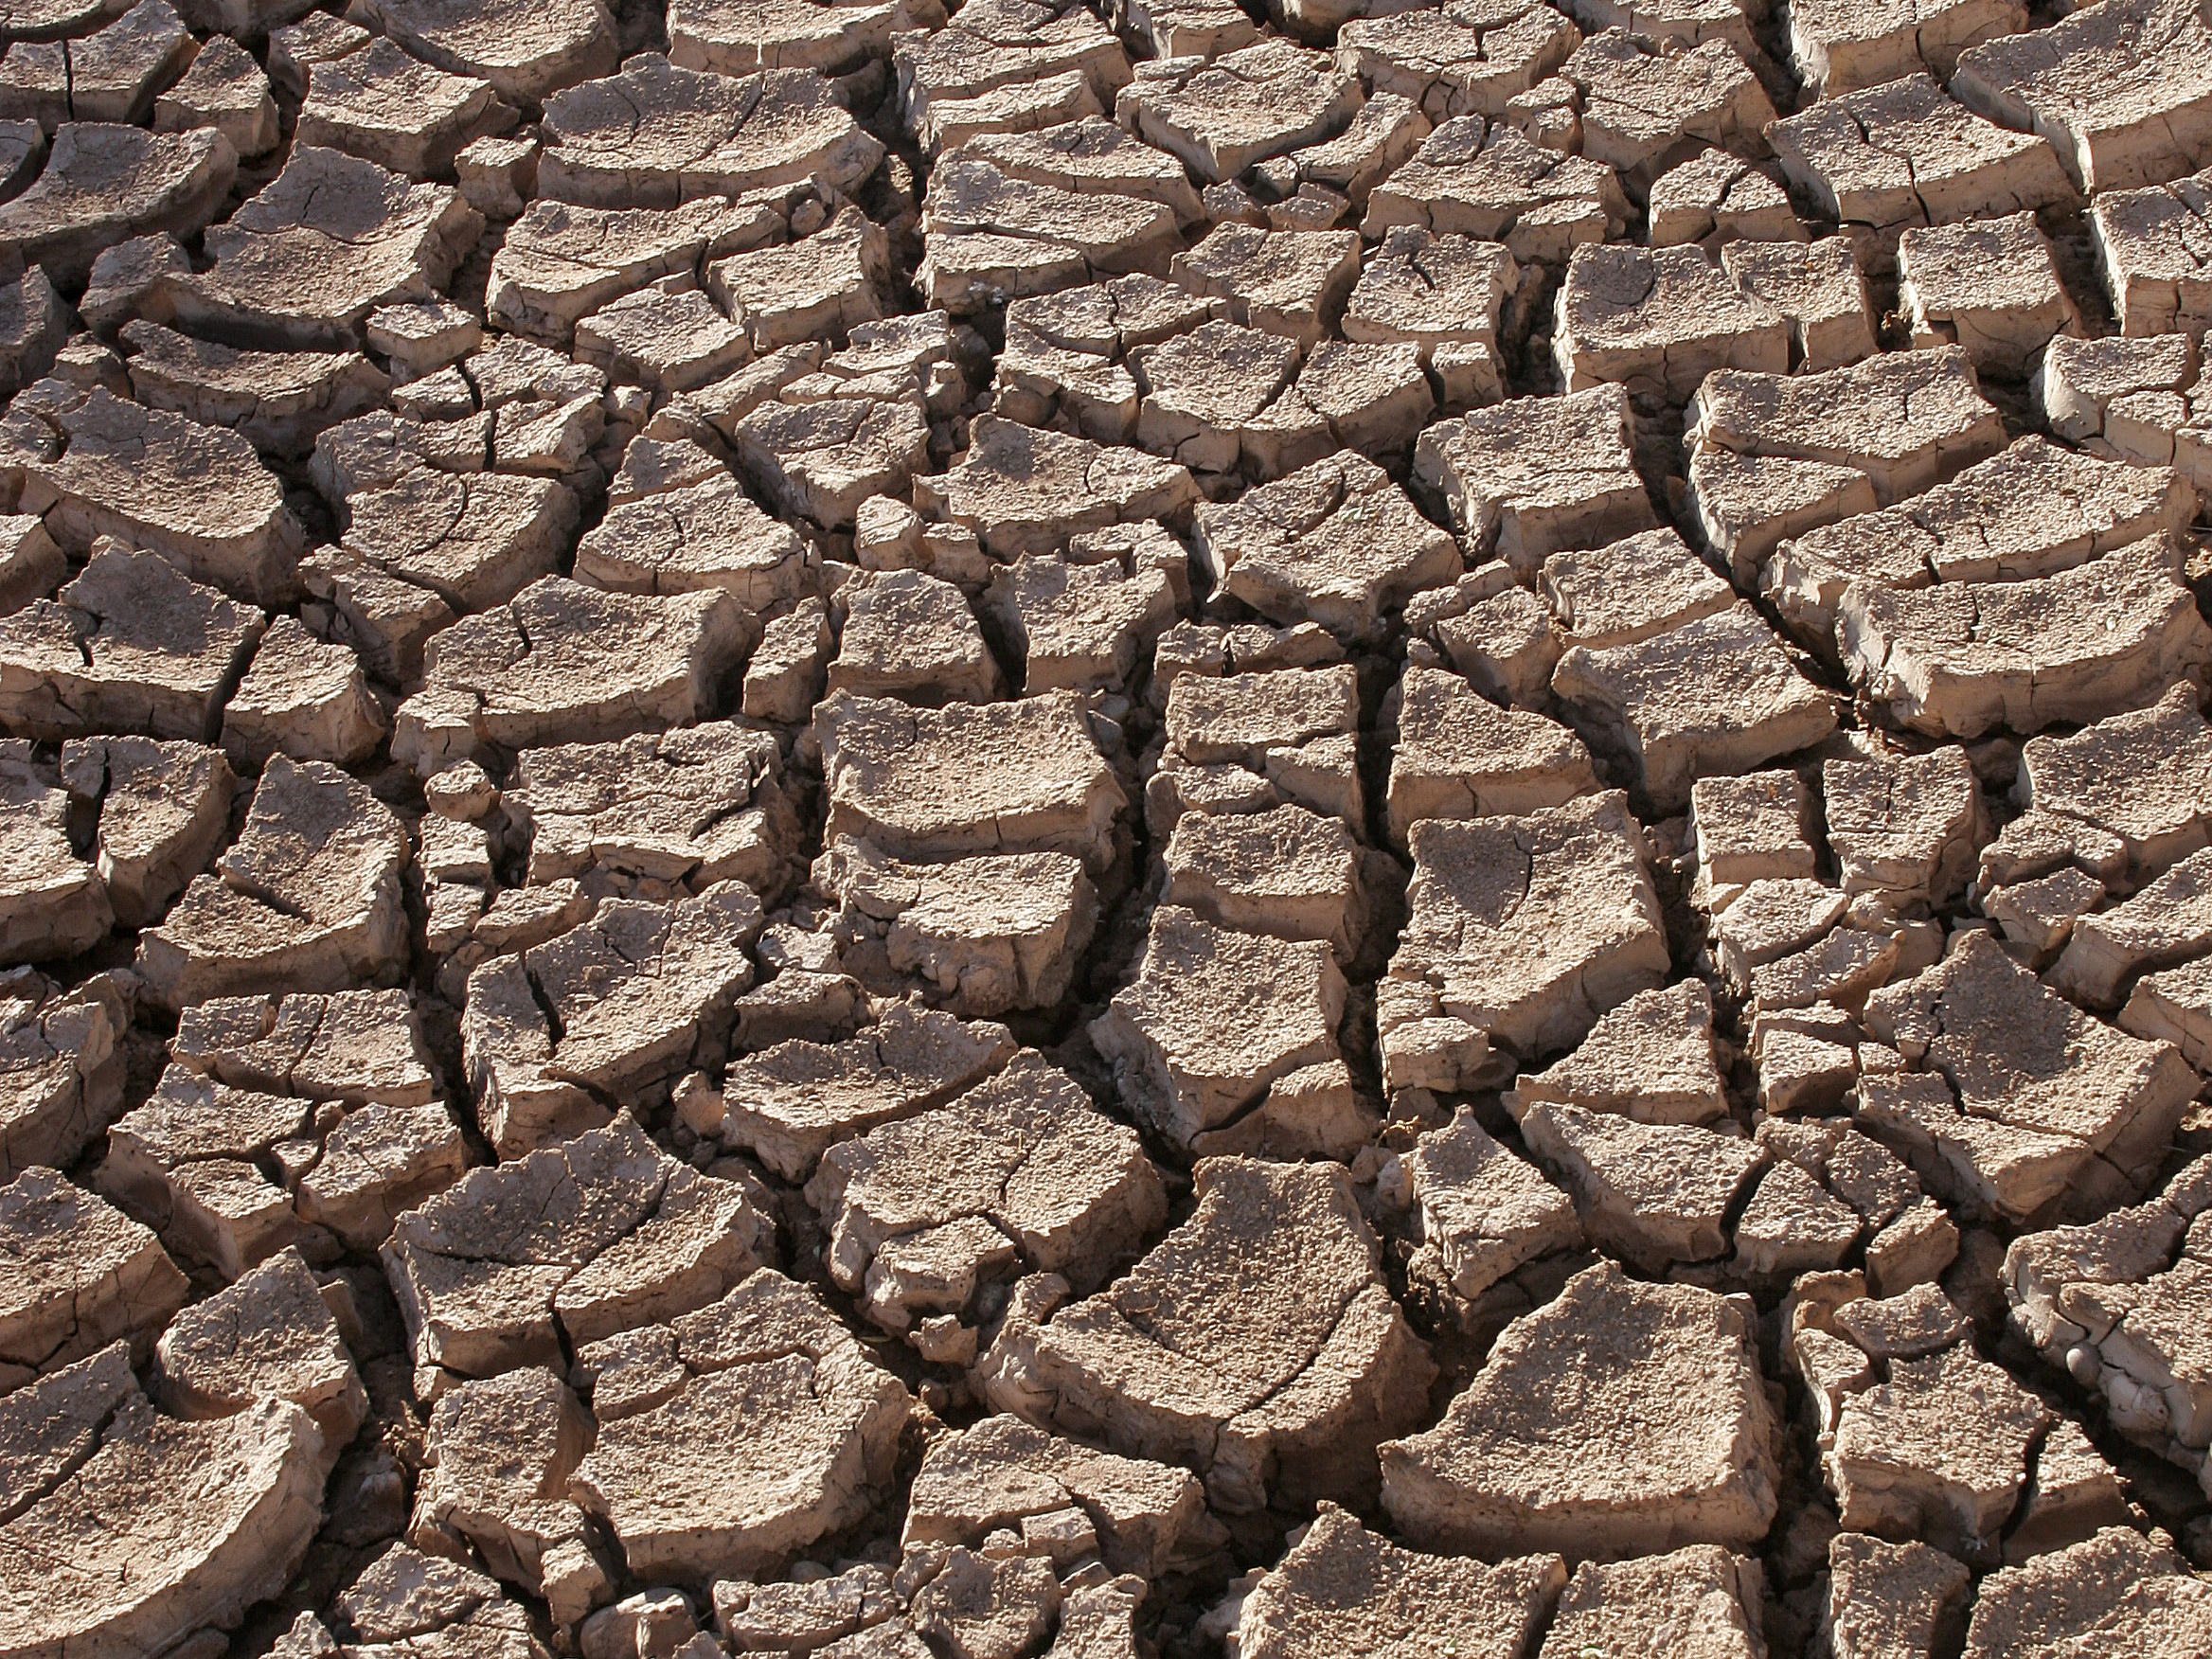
x,y
1105,828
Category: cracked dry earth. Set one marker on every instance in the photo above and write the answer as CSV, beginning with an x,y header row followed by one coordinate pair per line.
x,y
1105,829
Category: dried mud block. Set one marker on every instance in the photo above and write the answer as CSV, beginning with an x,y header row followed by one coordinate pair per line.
x,y
1257,1341
305,698
325,243
1523,932
2082,382
764,1381
1699,1598
2161,926
979,936
1067,354
386,107
1748,829
1667,1441
34,325
317,37
232,1175
1011,65
2085,84
279,401
1792,1225
1457,59
1486,1211
53,20
404,1596
1020,1174
105,183
308,898
60,1072
1627,592
784,679
1178,1061
193,494
155,1531
1904,154
1184,28
495,1489
2118,1302
1140,1517
821,458
1220,117
790,1103
362,1047
1906,421
2038,1107
1770,919
1285,871
53,903
861,1602
2174,1006
1022,490
560,262
1650,1059
32,565
911,636
655,136
1246,742
971,780
1990,286
1837,48
2150,242
1747,505
1716,199
1443,294
1335,543
1906,827
1660,321
269,1334
1961,658
583,1241
1224,395
1009,214
1940,1450
1498,186
2038,914
2125,797
1818,288
637,996
565,663
1652,1193
823,285
130,646
1460,756
2115,1592
665,342
224,89
524,50
1535,475
1890,1600
692,807
163,810
1717,695
1644,109
1343,1588
737,37
82,1275
1077,627
1288,282
2031,511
